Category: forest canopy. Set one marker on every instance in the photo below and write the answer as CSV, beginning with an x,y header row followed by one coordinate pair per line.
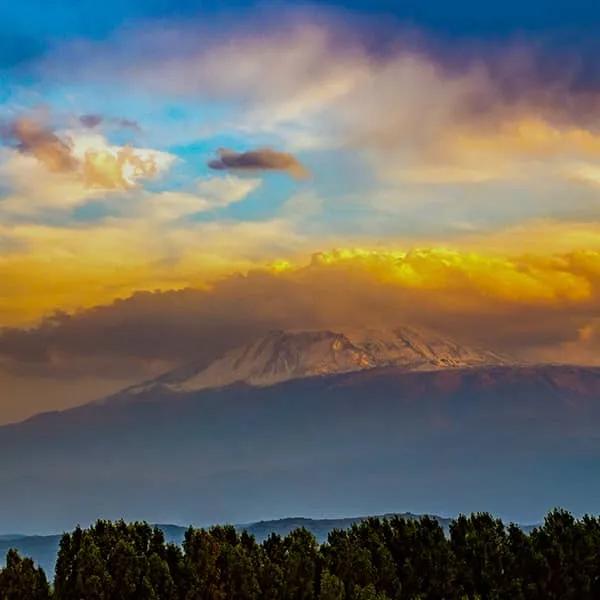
x,y
479,557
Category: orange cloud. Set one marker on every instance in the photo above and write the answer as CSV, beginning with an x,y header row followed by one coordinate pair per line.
x,y
35,139
87,157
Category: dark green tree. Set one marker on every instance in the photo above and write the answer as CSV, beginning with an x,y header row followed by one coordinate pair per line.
x,y
480,550
368,592
203,577
271,567
331,587
21,579
300,566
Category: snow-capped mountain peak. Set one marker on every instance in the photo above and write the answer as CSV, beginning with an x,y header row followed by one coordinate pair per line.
x,y
283,355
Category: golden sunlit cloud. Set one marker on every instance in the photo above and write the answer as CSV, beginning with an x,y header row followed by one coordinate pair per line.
x,y
78,268
68,268
472,279
119,170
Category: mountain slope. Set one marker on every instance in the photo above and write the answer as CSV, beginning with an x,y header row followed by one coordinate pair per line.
x,y
284,355
513,440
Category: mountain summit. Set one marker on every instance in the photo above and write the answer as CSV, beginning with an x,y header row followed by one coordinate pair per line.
x,y
283,355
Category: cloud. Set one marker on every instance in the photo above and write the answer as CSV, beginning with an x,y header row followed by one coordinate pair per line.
x,y
208,194
44,171
408,130
415,110
127,124
82,265
582,348
486,299
31,188
117,169
170,207
89,157
262,159
91,121
328,73
35,139
223,191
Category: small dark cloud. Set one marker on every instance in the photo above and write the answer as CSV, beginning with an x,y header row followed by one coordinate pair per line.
x,y
91,121
262,159
128,124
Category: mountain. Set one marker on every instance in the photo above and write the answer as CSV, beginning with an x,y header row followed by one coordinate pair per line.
x,y
314,423
283,355
43,549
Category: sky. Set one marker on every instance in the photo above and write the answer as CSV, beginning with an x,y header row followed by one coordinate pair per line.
x,y
179,177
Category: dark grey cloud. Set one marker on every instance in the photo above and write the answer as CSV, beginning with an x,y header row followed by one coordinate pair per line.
x,y
261,159
91,121
128,124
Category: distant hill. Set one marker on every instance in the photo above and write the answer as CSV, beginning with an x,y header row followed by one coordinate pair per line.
x,y
320,528
44,548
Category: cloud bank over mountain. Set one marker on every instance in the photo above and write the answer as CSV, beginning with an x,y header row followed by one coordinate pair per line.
x,y
535,308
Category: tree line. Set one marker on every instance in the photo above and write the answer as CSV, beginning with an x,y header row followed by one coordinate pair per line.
x,y
377,559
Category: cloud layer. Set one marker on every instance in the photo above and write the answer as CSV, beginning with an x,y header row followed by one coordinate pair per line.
x,y
411,102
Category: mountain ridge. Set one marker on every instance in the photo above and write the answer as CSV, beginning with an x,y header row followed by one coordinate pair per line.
x,y
282,355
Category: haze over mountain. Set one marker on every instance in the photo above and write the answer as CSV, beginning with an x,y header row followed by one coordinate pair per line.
x,y
314,423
